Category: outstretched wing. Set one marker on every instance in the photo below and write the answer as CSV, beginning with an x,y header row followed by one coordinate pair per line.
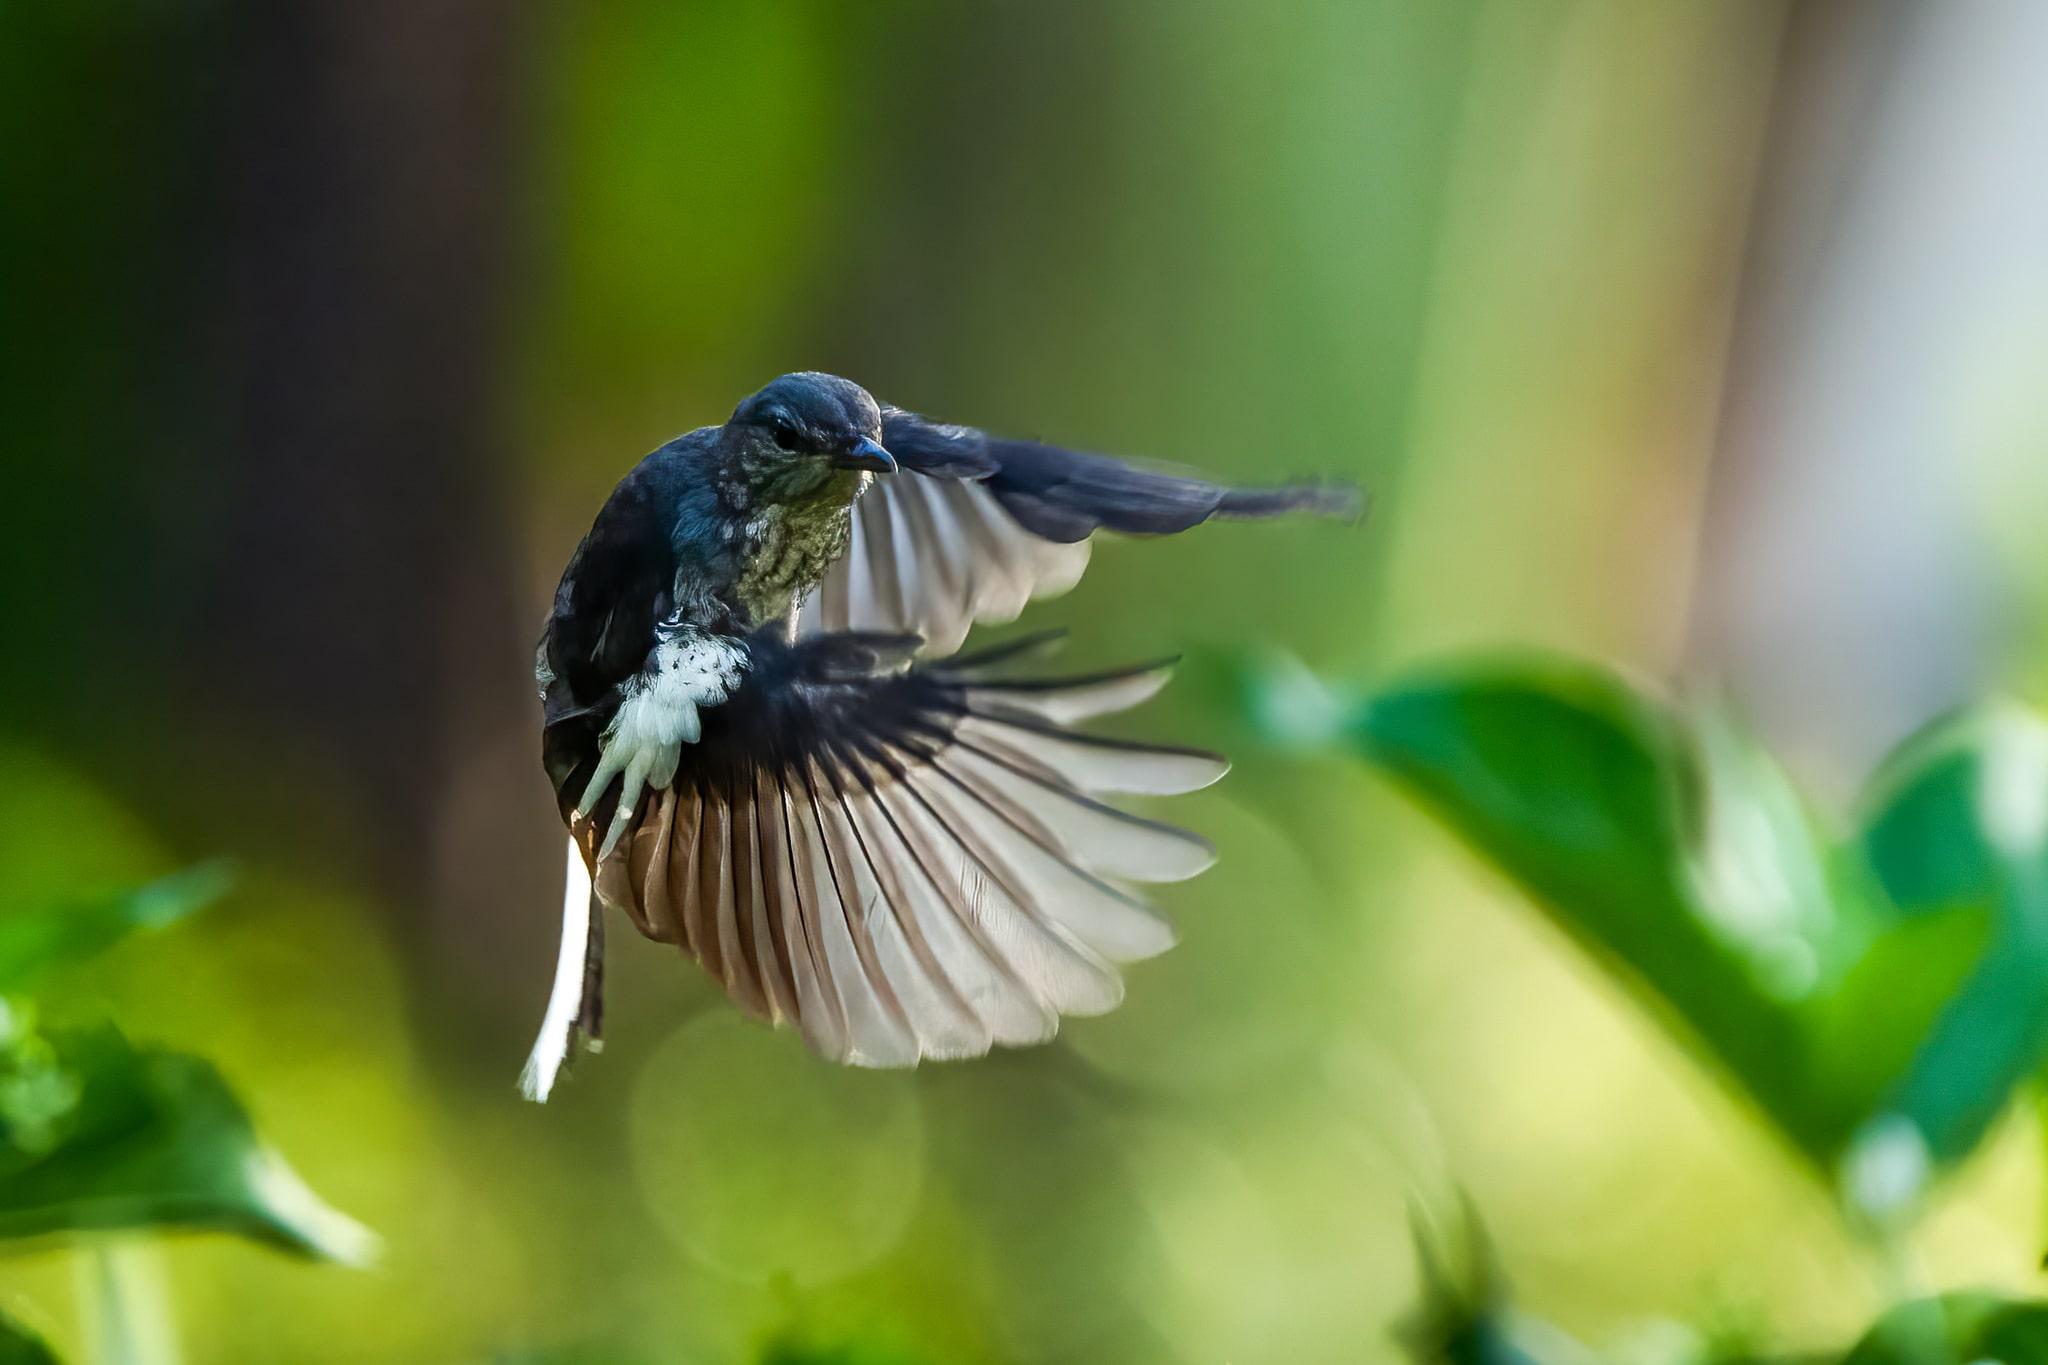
x,y
908,864
973,527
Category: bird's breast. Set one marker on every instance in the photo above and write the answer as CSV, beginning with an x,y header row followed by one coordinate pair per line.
x,y
787,549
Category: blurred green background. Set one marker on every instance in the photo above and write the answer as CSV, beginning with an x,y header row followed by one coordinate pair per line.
x,y
1705,337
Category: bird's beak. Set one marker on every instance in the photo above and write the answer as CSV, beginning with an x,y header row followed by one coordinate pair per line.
x,y
868,455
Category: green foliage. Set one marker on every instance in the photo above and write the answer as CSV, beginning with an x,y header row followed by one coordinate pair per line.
x,y
581,1354
787,1348
791,1351
111,1137
1466,1318
1589,797
19,1345
1960,827
1878,997
100,1136
46,937
1955,1329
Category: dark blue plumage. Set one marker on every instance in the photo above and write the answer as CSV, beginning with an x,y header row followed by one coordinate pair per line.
x,y
1065,495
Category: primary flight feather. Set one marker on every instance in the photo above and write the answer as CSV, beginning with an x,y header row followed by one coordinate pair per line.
x,y
764,756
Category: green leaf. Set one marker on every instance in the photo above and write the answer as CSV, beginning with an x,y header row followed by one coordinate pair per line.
x,y
1959,825
1878,998
1688,868
35,941
21,1346
1956,1329
1864,1033
143,1138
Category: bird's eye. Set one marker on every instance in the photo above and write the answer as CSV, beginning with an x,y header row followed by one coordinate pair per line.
x,y
785,433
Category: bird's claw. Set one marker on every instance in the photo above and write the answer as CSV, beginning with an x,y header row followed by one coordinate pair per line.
x,y
640,759
634,768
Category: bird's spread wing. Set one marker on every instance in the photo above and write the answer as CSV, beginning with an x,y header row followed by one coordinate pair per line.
x,y
905,863
973,527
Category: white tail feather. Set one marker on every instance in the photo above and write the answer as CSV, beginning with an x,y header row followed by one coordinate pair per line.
x,y
551,1048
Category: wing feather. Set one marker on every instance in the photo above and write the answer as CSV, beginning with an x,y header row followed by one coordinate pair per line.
x,y
700,938
778,967
741,947
1093,765
1091,835
928,1005
935,1019
888,566
818,1012
974,527
909,864
657,916
943,555
1016,1006
948,1026
1115,923
1002,1006
876,1033
1066,975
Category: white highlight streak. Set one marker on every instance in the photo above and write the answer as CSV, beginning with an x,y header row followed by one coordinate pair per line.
x,y
551,1048
2012,789
1886,1168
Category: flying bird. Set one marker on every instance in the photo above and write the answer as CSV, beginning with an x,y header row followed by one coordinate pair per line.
x,y
767,754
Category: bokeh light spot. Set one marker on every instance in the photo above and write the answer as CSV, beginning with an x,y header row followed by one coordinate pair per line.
x,y
761,1161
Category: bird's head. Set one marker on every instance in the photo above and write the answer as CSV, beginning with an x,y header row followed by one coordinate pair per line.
x,y
806,436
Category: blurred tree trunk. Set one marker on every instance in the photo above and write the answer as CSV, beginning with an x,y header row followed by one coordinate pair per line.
x,y
281,434
362,589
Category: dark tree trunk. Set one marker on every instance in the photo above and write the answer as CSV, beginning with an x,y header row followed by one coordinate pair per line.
x,y
297,530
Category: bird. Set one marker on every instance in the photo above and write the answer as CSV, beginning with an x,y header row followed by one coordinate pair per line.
x,y
768,752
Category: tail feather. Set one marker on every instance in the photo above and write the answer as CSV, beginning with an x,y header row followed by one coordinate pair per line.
x,y
572,1004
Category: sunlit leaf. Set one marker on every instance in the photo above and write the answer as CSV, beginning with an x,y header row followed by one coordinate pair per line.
x,y
151,1139
1864,1032
1685,869
1878,997
33,941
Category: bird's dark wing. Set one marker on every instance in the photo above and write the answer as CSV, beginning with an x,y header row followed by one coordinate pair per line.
x,y
973,527
617,586
906,863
